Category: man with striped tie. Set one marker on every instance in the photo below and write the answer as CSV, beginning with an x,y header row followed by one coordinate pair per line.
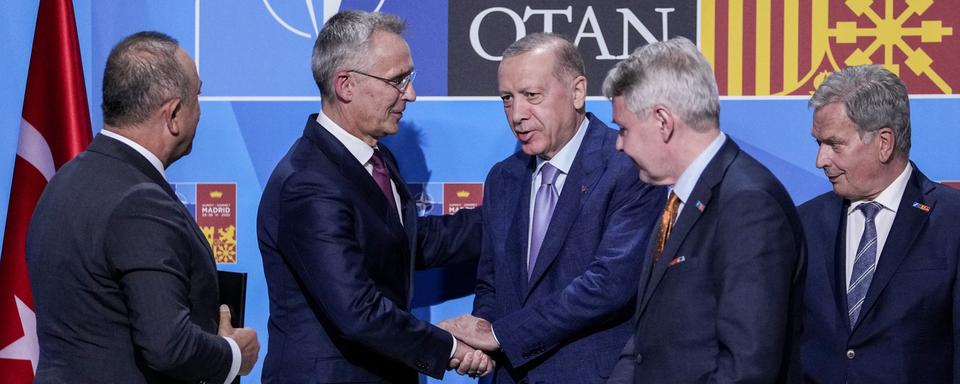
x,y
881,299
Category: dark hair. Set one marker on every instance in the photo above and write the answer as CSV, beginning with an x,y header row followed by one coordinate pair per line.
x,y
142,72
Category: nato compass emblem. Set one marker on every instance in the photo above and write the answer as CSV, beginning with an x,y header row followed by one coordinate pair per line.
x,y
330,7
425,203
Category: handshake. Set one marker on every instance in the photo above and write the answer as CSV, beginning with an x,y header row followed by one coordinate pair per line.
x,y
475,341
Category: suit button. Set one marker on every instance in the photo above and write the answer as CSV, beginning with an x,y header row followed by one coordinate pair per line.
x,y
421,365
639,358
851,354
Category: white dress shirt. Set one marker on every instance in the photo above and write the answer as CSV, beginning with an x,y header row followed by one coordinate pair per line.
x,y
153,159
889,201
360,150
688,179
234,348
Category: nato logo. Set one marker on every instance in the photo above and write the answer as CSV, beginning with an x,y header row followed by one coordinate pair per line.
x,y
309,10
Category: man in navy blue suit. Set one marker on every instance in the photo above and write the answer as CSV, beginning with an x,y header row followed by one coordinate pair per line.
x,y
881,303
719,295
565,223
339,233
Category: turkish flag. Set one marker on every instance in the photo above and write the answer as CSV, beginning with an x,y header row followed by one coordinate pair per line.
x,y
54,129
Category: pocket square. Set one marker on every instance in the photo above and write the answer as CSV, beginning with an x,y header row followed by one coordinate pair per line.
x,y
678,260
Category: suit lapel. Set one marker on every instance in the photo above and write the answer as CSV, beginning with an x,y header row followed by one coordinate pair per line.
x,y
585,172
520,173
833,231
408,209
907,225
702,193
353,171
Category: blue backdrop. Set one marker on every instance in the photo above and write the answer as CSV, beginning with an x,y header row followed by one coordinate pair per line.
x,y
254,60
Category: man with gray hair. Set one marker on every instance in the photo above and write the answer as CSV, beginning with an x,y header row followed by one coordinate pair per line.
x,y
719,297
566,220
339,233
124,281
882,300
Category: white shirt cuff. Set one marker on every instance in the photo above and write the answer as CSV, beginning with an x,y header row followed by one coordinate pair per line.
x,y
454,350
235,363
492,332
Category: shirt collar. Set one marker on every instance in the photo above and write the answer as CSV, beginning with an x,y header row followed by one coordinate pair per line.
x,y
357,147
153,159
688,179
563,160
891,196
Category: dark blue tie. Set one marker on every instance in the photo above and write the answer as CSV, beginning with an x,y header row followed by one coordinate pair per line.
x,y
864,263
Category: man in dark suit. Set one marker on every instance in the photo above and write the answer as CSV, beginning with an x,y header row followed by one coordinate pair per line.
x,y
565,222
719,295
124,281
882,300
339,233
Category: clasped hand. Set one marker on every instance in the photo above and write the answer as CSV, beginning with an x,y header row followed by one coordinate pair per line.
x,y
475,340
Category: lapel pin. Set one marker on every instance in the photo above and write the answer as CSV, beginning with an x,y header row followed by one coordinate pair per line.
x,y
677,261
700,206
922,207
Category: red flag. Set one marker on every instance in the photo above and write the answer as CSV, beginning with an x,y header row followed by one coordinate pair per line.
x,y
54,129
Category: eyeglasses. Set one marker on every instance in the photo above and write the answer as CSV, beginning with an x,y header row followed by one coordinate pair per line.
x,y
400,83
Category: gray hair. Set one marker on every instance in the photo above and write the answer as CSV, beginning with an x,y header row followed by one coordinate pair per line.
x,y
569,61
672,73
344,44
142,72
874,98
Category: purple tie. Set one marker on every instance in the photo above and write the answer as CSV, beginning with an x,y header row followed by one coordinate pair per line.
x,y
542,212
381,175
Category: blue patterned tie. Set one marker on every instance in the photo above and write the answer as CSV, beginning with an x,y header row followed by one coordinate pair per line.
x,y
864,263
543,206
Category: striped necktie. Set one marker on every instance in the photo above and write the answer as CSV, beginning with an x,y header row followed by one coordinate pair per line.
x,y
864,263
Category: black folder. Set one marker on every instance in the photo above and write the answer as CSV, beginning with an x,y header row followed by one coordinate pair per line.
x,y
233,293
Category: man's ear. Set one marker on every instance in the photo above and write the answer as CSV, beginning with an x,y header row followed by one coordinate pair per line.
x,y
667,122
888,143
169,111
579,92
343,86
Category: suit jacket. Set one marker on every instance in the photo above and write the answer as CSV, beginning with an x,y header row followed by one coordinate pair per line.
x,y
722,303
125,283
910,317
339,269
568,322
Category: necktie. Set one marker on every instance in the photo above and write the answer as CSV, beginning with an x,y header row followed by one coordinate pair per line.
x,y
542,212
864,263
381,175
667,219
